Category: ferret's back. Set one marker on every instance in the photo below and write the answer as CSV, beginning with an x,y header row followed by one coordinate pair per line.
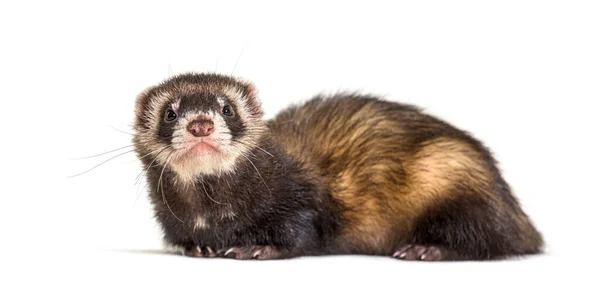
x,y
326,131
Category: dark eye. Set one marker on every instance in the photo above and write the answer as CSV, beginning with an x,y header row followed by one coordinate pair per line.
x,y
170,116
227,110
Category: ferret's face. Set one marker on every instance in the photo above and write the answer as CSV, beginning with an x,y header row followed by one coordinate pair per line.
x,y
197,124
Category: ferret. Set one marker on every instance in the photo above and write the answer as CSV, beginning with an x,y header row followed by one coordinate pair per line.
x,y
340,174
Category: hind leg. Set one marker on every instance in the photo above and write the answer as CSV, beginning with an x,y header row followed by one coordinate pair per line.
x,y
470,228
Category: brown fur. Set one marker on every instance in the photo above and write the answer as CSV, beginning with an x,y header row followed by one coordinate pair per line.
x,y
390,165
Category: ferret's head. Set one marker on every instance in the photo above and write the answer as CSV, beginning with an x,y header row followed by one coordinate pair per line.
x,y
197,124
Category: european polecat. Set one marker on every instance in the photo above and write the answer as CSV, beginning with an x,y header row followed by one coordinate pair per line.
x,y
343,174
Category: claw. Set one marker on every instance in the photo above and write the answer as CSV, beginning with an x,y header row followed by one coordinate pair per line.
x,y
419,253
230,250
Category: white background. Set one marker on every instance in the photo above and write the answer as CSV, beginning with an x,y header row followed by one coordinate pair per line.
x,y
523,76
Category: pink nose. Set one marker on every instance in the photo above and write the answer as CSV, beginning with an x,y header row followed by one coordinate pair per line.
x,y
201,128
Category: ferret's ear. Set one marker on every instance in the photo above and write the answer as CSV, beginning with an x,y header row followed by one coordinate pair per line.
x,y
251,94
141,105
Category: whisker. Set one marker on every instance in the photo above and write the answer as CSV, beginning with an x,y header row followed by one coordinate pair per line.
x,y
144,170
139,193
237,61
258,147
162,190
121,131
162,172
121,154
97,155
205,192
149,165
150,153
260,176
246,150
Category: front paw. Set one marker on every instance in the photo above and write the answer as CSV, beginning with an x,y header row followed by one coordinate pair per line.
x,y
251,252
199,251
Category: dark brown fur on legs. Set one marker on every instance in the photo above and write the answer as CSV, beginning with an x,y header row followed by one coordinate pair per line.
x,y
347,174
